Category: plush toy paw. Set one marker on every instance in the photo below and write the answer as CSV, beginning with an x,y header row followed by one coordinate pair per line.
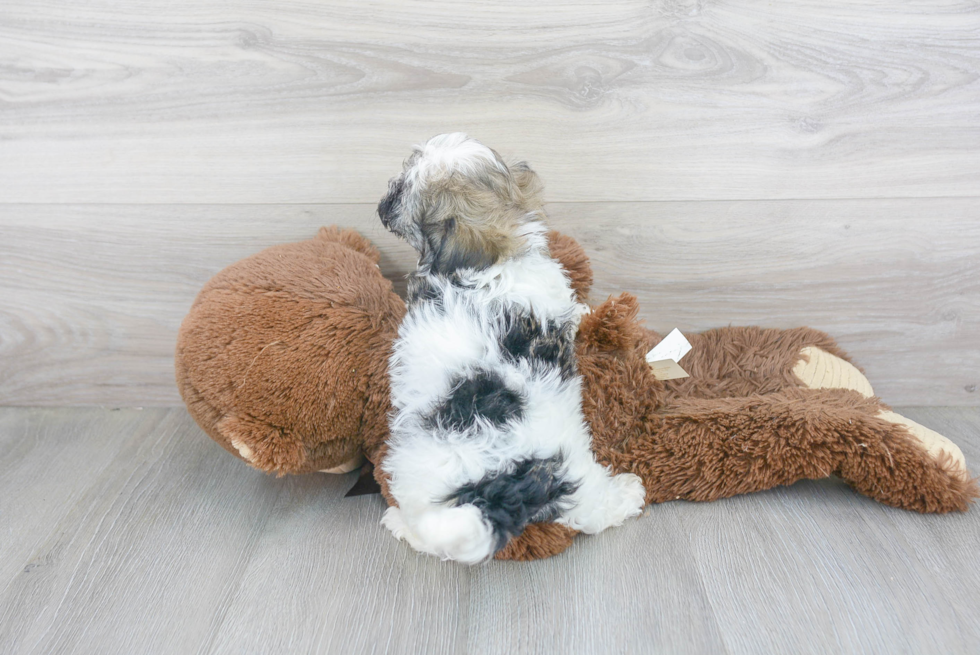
x,y
934,443
262,445
818,369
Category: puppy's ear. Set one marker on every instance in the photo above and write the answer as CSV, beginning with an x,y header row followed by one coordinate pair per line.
x,y
388,204
528,184
453,245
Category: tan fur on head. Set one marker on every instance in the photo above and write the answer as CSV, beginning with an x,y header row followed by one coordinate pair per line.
x,y
460,205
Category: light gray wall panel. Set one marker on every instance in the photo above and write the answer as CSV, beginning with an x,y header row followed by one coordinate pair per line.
x,y
92,296
247,101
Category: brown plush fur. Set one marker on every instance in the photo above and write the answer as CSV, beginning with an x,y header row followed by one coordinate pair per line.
x,y
747,424
285,352
741,422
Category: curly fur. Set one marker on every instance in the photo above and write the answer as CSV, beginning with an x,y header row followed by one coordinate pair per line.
x,y
487,433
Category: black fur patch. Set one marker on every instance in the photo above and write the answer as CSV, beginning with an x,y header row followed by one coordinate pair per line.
x,y
456,279
532,492
483,395
552,344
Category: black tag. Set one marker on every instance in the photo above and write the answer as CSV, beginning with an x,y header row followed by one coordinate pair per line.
x,y
365,484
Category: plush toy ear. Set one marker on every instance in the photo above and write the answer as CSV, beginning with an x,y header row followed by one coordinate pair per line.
x,y
350,238
612,325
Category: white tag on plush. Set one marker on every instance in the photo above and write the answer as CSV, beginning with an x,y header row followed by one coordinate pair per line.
x,y
668,369
665,355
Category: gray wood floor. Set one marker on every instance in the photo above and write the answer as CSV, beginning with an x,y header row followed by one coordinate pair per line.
x,y
129,531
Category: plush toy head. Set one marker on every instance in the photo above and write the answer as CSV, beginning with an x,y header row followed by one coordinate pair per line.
x,y
283,357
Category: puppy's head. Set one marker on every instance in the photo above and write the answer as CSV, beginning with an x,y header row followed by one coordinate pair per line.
x,y
459,205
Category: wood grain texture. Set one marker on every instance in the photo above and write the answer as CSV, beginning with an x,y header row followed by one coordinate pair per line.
x,y
92,296
897,283
69,451
158,542
134,555
246,101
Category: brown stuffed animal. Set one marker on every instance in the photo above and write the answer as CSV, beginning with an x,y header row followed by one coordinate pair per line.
x,y
282,360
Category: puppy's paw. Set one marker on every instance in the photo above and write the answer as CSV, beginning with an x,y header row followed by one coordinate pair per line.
x,y
621,497
394,521
626,499
456,533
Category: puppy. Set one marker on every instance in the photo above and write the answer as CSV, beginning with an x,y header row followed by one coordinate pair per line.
x,y
487,432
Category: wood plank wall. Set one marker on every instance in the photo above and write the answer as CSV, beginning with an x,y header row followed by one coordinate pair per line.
x,y
736,162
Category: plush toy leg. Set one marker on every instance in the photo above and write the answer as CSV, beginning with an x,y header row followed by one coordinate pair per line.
x,y
737,362
934,443
538,541
262,445
818,369
710,449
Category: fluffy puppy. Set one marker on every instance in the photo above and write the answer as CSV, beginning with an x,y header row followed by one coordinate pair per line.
x,y
487,432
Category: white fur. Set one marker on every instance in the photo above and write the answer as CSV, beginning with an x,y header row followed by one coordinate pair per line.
x,y
448,152
431,349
